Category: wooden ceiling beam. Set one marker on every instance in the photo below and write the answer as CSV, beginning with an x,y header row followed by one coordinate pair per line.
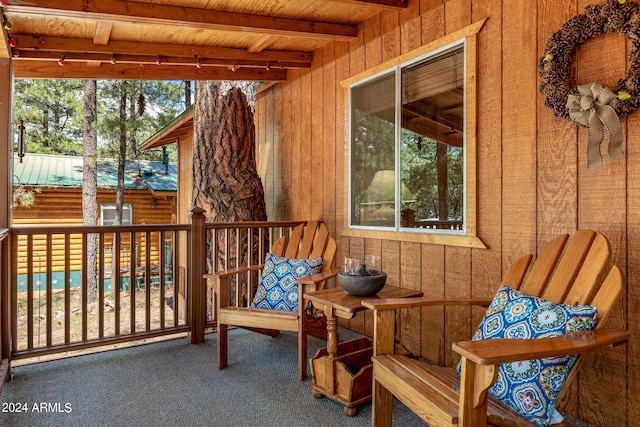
x,y
127,51
159,14
260,44
103,33
5,50
80,70
383,4
38,55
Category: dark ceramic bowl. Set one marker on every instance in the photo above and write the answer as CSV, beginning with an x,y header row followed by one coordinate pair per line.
x,y
362,286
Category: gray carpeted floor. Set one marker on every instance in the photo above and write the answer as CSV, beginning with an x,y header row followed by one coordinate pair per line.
x,y
173,383
176,384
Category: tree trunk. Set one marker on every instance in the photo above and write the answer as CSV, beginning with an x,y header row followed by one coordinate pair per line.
x,y
90,182
226,183
122,156
443,181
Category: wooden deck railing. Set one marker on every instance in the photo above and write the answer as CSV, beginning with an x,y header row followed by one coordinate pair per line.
x,y
134,296
5,313
148,282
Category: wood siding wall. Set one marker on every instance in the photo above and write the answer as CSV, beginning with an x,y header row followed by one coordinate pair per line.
x,y
533,182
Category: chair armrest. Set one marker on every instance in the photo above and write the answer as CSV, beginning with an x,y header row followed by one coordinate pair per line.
x,y
320,277
396,303
496,351
480,359
233,271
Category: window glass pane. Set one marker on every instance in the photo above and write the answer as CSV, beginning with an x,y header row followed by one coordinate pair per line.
x,y
108,213
432,151
373,152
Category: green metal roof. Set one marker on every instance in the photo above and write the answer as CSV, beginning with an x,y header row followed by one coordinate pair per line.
x,y
46,170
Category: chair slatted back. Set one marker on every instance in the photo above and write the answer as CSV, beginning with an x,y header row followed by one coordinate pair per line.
x,y
571,275
308,241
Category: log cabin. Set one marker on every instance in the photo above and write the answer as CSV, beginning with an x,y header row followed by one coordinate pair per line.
x,y
527,177
149,198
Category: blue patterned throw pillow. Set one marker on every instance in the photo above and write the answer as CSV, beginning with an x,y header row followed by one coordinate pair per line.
x,y
531,387
278,289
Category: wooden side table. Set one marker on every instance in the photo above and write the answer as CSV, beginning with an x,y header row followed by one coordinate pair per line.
x,y
342,371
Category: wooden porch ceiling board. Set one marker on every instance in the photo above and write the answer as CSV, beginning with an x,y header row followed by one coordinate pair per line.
x,y
153,13
115,39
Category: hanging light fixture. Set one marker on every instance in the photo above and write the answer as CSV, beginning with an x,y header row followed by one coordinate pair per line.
x,y
113,60
268,67
198,63
12,42
61,62
234,68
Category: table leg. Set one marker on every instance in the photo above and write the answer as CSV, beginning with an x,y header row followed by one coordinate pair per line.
x,y
332,334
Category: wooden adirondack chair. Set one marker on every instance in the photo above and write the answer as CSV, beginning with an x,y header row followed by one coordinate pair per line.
x,y
441,398
310,241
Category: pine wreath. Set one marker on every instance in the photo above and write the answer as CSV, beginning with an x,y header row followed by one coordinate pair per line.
x,y
571,102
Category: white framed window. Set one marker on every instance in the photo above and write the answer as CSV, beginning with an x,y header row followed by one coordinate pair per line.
x,y
108,213
412,172
407,145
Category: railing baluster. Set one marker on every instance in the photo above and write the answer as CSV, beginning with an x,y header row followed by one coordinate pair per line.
x,y
101,283
133,285
83,291
49,287
116,280
161,274
67,288
30,293
147,280
14,293
175,271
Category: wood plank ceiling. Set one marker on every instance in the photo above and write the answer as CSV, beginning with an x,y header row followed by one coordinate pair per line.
x,y
175,39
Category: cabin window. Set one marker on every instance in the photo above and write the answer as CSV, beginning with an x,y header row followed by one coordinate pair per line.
x,y
108,213
407,146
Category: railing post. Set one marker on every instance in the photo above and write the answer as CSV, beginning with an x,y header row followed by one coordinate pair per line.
x,y
198,292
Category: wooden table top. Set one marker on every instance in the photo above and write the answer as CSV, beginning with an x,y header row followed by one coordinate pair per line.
x,y
338,299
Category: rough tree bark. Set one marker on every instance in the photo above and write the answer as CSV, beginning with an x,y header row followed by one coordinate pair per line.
x,y
122,156
226,183
90,182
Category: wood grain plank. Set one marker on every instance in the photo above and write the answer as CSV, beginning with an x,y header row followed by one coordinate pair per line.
x,y
341,127
486,264
602,199
316,152
411,277
267,171
329,138
391,44
282,154
294,187
432,24
410,35
305,173
633,265
457,14
433,318
557,142
457,283
519,61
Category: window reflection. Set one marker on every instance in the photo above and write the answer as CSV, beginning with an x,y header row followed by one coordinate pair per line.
x,y
429,174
